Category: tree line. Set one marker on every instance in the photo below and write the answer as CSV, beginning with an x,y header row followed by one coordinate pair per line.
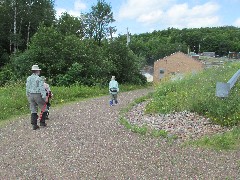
x,y
82,49
158,44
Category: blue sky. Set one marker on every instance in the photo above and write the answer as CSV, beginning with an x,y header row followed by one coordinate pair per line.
x,y
141,16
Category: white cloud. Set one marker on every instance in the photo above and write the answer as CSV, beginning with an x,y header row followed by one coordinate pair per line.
x,y
133,9
237,22
151,17
79,6
181,15
168,13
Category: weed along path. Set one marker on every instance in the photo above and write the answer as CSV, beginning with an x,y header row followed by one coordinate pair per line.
x,y
84,140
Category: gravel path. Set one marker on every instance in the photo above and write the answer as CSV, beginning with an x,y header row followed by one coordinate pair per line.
x,y
84,140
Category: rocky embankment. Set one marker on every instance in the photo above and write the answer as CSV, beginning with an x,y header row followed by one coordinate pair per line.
x,y
185,125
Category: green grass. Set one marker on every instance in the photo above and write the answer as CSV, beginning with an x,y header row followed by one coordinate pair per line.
x,y
14,102
196,93
226,141
145,130
134,128
159,133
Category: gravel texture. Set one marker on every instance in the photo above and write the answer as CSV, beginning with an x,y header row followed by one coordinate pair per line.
x,y
185,125
84,140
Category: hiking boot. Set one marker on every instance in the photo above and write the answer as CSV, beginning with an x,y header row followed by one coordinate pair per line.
x,y
43,124
34,118
47,115
35,127
42,121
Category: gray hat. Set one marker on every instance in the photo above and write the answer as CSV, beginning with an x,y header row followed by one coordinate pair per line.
x,y
113,77
35,68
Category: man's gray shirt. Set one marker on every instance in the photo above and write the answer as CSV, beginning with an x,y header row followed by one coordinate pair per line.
x,y
35,84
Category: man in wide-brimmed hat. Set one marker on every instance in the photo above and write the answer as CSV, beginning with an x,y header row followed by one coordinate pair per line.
x,y
36,96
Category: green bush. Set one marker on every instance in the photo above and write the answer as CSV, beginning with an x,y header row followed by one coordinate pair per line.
x,y
68,59
72,76
6,75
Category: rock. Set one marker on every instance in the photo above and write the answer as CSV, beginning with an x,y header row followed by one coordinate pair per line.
x,y
186,125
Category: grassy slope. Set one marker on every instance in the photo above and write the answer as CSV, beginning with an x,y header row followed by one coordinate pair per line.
x,y
196,93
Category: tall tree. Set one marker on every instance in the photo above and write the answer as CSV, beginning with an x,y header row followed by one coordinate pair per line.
x,y
98,21
20,20
70,25
34,13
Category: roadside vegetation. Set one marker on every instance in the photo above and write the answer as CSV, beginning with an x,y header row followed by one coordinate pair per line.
x,y
196,93
226,141
14,102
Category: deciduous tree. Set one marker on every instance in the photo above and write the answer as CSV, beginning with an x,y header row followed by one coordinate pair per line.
x,y
98,21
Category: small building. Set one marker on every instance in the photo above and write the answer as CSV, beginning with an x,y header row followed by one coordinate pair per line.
x,y
234,55
209,54
196,56
149,77
176,64
147,71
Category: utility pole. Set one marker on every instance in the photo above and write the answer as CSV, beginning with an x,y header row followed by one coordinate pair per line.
x,y
110,29
128,37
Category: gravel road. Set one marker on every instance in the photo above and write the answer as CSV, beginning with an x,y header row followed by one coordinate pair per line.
x,y
84,140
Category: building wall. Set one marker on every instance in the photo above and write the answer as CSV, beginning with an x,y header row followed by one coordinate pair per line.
x,y
234,55
209,54
177,63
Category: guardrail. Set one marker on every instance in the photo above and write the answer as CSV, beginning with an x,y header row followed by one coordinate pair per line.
x,y
223,89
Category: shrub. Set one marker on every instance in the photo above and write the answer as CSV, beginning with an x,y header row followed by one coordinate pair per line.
x,y
6,75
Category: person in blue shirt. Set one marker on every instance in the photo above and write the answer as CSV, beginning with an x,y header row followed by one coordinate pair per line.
x,y
36,95
113,90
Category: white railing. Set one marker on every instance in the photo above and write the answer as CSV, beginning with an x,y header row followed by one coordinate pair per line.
x,y
223,89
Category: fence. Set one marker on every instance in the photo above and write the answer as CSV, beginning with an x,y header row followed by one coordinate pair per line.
x,y
223,89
